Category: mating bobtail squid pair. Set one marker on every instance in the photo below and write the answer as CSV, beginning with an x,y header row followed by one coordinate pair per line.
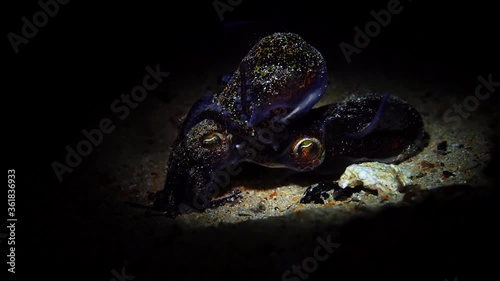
x,y
265,115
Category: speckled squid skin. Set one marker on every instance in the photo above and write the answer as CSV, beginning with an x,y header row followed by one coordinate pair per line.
x,y
281,71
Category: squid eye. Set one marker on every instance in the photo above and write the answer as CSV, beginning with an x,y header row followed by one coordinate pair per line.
x,y
207,142
308,148
212,140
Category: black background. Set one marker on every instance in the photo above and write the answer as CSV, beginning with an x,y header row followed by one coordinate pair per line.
x,y
64,79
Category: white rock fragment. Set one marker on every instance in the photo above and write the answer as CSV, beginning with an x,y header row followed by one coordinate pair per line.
x,y
386,178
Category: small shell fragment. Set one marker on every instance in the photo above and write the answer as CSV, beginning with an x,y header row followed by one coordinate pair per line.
x,y
385,178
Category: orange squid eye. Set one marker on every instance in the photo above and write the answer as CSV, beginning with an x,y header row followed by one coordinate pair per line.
x,y
309,148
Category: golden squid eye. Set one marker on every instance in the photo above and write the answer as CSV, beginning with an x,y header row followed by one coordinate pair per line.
x,y
212,140
308,148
